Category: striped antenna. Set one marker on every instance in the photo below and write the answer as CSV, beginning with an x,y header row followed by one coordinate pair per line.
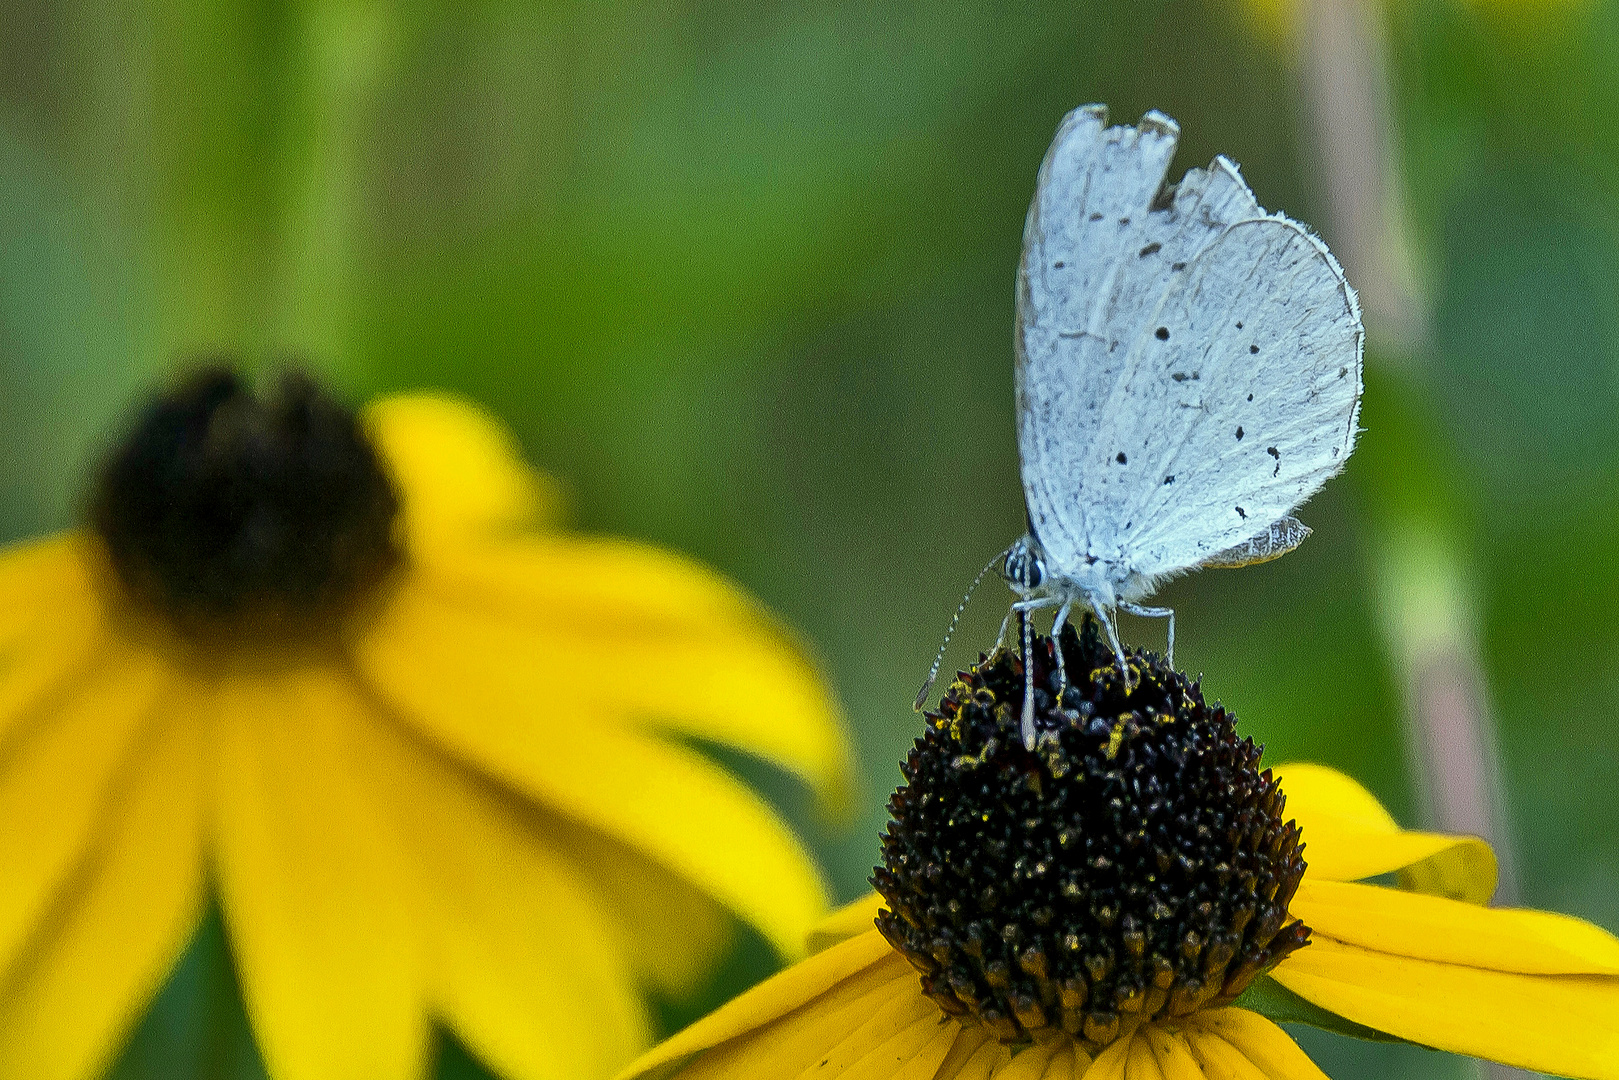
x,y
933,672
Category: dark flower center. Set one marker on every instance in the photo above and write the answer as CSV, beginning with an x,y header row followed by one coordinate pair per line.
x,y
220,506
1134,865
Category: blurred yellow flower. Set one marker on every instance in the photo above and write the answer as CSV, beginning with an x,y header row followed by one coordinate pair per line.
x,y
1102,906
426,750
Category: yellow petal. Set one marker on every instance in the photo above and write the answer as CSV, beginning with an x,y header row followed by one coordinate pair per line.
x,y
1567,1025
1030,1063
969,1040
896,1017
917,1043
51,618
671,803
925,1065
786,1048
460,473
37,577
989,1057
1433,928
1141,1063
56,776
855,966
635,635
312,884
1271,1050
1348,835
1174,1058
1109,1064
667,930
90,976
1068,1063
523,962
846,922
1219,1060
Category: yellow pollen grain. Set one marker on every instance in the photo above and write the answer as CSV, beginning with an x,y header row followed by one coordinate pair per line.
x,y
1115,739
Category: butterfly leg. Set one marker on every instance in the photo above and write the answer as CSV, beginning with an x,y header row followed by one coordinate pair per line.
x,y
1024,608
1056,645
1157,613
1104,615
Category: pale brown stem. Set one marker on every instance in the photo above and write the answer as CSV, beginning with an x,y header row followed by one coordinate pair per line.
x,y
1420,576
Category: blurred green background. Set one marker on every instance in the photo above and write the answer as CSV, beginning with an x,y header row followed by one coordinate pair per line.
x,y
740,276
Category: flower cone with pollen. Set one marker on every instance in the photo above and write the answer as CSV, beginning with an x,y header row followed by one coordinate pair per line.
x,y
341,672
1134,866
1094,909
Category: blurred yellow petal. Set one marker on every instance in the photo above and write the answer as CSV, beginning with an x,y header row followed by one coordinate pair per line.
x,y
38,580
312,884
641,635
56,770
668,930
460,473
87,976
1349,836
669,802
1270,1049
852,968
846,922
1567,1025
1433,928
522,961
1174,1058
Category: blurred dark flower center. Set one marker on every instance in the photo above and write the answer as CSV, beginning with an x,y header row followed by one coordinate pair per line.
x,y
220,505
1134,865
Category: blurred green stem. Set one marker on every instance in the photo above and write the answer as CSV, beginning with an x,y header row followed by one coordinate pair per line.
x,y
343,48
1421,577
226,137
1419,563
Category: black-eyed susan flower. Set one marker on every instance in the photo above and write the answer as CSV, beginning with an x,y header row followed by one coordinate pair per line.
x,y
1131,901
427,751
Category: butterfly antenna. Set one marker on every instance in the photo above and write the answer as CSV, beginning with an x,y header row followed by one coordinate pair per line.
x,y
938,659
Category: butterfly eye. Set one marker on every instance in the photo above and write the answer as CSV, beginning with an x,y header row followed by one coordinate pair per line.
x,y
1022,567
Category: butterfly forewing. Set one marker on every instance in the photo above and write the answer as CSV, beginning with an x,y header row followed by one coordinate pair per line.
x,y
1153,325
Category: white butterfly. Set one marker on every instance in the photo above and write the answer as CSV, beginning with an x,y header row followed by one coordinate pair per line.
x,y
1188,373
